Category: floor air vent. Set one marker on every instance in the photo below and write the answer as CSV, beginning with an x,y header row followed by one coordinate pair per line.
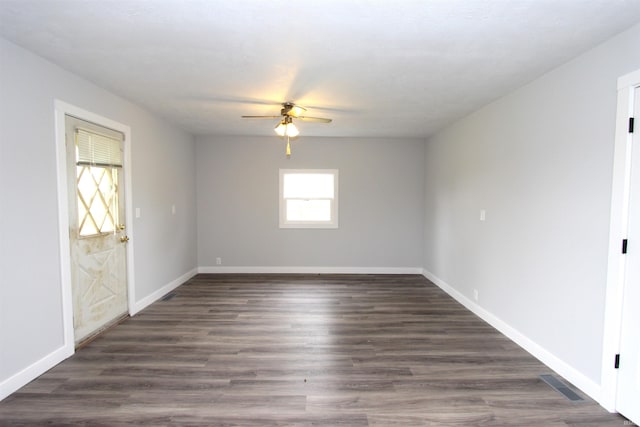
x,y
168,296
561,387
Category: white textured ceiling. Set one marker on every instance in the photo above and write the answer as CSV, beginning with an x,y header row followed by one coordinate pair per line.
x,y
378,68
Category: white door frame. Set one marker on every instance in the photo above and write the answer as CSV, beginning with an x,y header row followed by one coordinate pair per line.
x,y
61,110
617,232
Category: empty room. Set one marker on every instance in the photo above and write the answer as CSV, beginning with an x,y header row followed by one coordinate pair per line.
x,y
336,213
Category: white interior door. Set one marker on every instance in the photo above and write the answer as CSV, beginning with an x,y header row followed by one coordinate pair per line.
x,y
628,393
96,226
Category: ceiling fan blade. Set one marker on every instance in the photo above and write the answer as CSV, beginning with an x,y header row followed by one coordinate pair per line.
x,y
261,117
314,119
293,110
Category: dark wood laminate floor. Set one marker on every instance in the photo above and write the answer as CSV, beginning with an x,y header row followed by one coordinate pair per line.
x,y
308,350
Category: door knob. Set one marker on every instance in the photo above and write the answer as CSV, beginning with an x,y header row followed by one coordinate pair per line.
x,y
124,239
121,227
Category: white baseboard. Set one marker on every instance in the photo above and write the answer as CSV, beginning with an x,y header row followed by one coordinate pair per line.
x,y
34,370
588,386
309,270
155,296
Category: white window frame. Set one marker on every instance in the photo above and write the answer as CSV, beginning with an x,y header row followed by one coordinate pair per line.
x,y
332,223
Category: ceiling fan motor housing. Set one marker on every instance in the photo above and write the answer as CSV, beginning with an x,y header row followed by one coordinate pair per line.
x,y
288,109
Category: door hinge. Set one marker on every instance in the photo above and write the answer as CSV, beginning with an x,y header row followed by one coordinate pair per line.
x,y
630,124
624,246
617,362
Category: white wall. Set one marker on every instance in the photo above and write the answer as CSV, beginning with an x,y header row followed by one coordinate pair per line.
x,y
380,206
163,166
540,162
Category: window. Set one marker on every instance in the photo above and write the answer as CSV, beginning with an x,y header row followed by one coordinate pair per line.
x,y
98,158
97,201
308,198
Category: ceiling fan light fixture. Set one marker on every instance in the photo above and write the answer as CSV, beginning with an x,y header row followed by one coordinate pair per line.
x,y
296,110
287,128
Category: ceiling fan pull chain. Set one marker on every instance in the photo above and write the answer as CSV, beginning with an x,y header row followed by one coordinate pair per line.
x,y
288,148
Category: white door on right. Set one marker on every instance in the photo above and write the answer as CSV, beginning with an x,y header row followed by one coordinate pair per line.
x,y
628,394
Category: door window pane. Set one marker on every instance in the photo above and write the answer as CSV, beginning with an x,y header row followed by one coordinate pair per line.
x,y
97,201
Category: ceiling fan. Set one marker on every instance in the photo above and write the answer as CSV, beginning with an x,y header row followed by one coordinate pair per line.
x,y
289,109
286,127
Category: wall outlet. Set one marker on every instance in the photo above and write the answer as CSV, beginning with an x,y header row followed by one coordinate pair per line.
x,y
483,214
476,295
218,261
138,212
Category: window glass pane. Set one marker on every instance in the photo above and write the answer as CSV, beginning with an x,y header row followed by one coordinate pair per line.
x,y
97,201
308,210
308,185
87,227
